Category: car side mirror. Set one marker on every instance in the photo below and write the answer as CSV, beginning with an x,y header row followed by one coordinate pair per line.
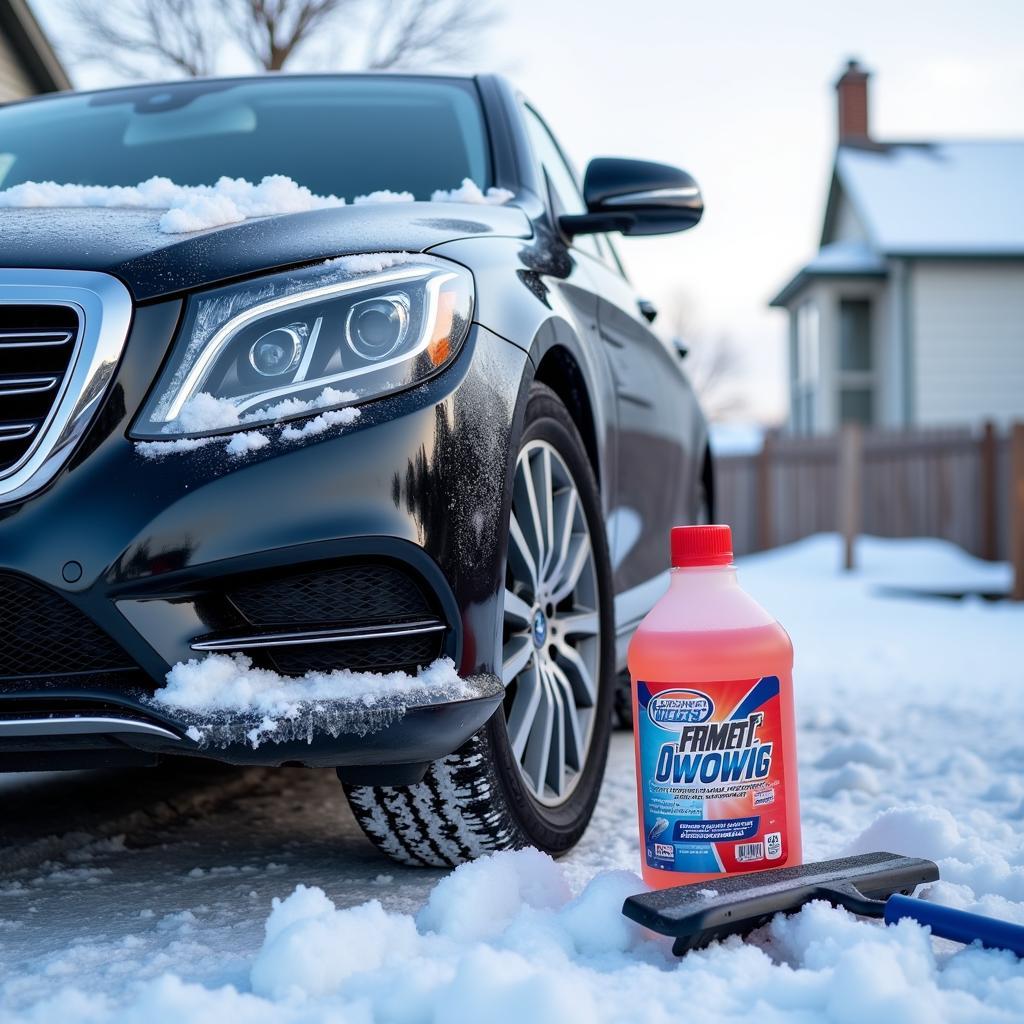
x,y
635,197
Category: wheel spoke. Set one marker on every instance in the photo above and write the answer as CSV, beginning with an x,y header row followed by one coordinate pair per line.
x,y
517,610
516,656
519,553
576,563
567,503
584,686
544,492
538,744
579,623
534,509
574,734
524,709
555,774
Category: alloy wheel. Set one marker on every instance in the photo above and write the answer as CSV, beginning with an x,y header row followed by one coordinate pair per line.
x,y
552,626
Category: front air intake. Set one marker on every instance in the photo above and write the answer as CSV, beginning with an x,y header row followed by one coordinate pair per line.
x,y
42,635
352,595
364,616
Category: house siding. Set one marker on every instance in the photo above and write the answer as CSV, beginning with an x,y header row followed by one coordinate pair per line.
x,y
14,82
967,326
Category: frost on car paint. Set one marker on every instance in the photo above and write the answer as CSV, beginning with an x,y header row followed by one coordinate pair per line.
x,y
225,699
189,208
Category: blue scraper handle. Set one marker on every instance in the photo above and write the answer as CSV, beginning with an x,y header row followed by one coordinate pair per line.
x,y
958,925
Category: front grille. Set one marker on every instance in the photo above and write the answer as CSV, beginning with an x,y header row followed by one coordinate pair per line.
x,y
389,654
41,634
37,348
351,595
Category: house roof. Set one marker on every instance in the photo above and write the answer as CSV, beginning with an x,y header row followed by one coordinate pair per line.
x,y
923,200
19,25
936,199
836,259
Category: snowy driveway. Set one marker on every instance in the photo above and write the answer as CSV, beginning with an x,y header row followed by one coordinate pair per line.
x,y
152,903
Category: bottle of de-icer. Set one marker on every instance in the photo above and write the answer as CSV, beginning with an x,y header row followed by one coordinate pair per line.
x,y
714,724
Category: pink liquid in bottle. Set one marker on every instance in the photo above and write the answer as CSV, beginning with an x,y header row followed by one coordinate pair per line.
x,y
714,727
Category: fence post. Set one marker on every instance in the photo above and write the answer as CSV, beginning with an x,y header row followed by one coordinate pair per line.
x,y
1017,510
764,492
851,461
988,546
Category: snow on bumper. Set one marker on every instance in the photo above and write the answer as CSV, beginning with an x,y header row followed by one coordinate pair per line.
x,y
225,709
225,700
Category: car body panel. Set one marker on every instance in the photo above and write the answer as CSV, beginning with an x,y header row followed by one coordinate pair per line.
x,y
422,478
129,244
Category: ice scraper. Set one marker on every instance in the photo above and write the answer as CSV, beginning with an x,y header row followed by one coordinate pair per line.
x,y
872,885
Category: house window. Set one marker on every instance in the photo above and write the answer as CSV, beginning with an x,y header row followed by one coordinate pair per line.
x,y
805,376
856,363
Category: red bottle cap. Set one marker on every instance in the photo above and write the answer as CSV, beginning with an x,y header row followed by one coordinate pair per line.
x,y
701,545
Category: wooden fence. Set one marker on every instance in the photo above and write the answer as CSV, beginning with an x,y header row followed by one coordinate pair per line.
x,y
962,485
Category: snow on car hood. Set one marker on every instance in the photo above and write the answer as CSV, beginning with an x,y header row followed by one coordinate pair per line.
x,y
120,233
189,208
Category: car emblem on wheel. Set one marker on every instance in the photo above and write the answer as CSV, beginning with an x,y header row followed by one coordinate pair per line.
x,y
540,628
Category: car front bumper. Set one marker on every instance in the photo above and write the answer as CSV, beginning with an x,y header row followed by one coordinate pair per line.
x,y
145,550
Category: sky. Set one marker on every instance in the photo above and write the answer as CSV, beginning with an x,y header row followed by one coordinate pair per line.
x,y
740,94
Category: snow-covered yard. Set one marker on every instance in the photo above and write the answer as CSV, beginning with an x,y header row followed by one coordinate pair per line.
x,y
153,903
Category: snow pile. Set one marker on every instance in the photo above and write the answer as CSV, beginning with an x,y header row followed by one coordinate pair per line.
x,y
231,200
503,940
206,412
224,699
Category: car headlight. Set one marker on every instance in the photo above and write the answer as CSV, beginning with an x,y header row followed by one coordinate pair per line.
x,y
306,340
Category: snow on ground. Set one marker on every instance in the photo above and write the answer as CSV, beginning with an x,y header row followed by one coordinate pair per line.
x,y
229,201
194,893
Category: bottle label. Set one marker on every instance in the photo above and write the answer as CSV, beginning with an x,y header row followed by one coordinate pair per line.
x,y
711,762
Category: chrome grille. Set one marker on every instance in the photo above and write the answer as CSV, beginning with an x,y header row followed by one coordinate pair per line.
x,y
61,336
37,349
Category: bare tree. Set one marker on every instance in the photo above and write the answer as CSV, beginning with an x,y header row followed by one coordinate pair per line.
x,y
272,30
147,38
128,36
408,32
714,362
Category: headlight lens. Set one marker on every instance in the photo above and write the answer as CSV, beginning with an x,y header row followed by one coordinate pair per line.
x,y
296,343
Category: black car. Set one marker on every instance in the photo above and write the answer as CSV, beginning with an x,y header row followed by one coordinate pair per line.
x,y
363,436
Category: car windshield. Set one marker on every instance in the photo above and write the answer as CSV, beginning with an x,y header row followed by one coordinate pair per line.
x,y
337,136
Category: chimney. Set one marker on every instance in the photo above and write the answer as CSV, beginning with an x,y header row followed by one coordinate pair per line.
x,y
852,94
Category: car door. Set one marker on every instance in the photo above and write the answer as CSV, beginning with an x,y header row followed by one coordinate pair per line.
x,y
655,410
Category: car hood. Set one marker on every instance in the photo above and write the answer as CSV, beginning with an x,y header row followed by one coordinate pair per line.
x,y
129,244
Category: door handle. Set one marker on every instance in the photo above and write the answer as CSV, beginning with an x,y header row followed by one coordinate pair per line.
x,y
648,310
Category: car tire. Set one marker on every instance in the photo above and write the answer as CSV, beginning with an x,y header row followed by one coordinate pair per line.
x,y
499,791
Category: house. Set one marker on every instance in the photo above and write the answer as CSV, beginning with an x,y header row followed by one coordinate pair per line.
x,y
912,311
28,64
